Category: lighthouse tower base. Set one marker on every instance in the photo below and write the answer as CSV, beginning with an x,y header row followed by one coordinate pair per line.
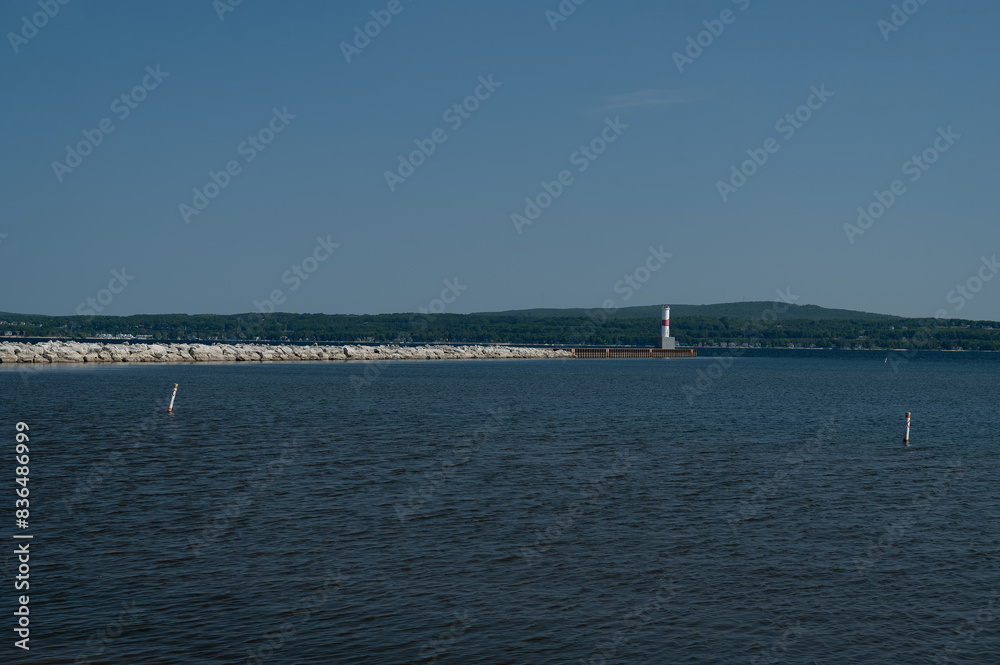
x,y
668,342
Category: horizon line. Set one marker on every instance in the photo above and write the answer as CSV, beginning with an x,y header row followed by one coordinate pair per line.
x,y
481,313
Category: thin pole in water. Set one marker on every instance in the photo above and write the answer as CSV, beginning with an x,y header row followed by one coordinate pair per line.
x,y
171,407
906,437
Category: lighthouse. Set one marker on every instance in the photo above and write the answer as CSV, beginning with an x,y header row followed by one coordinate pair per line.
x,y
666,341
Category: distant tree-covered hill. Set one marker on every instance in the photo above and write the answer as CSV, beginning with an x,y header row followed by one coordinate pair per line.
x,y
735,310
699,326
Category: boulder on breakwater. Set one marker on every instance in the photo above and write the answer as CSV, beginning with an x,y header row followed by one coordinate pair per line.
x,y
99,352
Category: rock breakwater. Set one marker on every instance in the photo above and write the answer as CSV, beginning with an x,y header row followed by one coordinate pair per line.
x,y
98,352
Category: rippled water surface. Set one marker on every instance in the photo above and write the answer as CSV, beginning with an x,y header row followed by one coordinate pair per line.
x,y
615,511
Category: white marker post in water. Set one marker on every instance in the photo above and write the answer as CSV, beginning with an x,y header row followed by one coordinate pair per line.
x,y
171,407
906,437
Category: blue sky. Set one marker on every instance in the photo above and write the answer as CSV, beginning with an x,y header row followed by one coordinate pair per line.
x,y
552,91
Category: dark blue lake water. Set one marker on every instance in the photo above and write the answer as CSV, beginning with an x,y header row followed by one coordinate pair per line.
x,y
606,511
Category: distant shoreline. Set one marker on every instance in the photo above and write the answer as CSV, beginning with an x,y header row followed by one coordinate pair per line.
x,y
695,326
125,351
11,339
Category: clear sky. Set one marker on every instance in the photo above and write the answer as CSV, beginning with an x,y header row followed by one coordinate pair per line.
x,y
202,86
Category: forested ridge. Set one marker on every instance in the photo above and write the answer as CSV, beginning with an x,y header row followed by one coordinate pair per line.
x,y
800,326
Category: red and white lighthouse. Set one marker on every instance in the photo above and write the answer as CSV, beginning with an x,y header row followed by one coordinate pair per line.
x,y
666,341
